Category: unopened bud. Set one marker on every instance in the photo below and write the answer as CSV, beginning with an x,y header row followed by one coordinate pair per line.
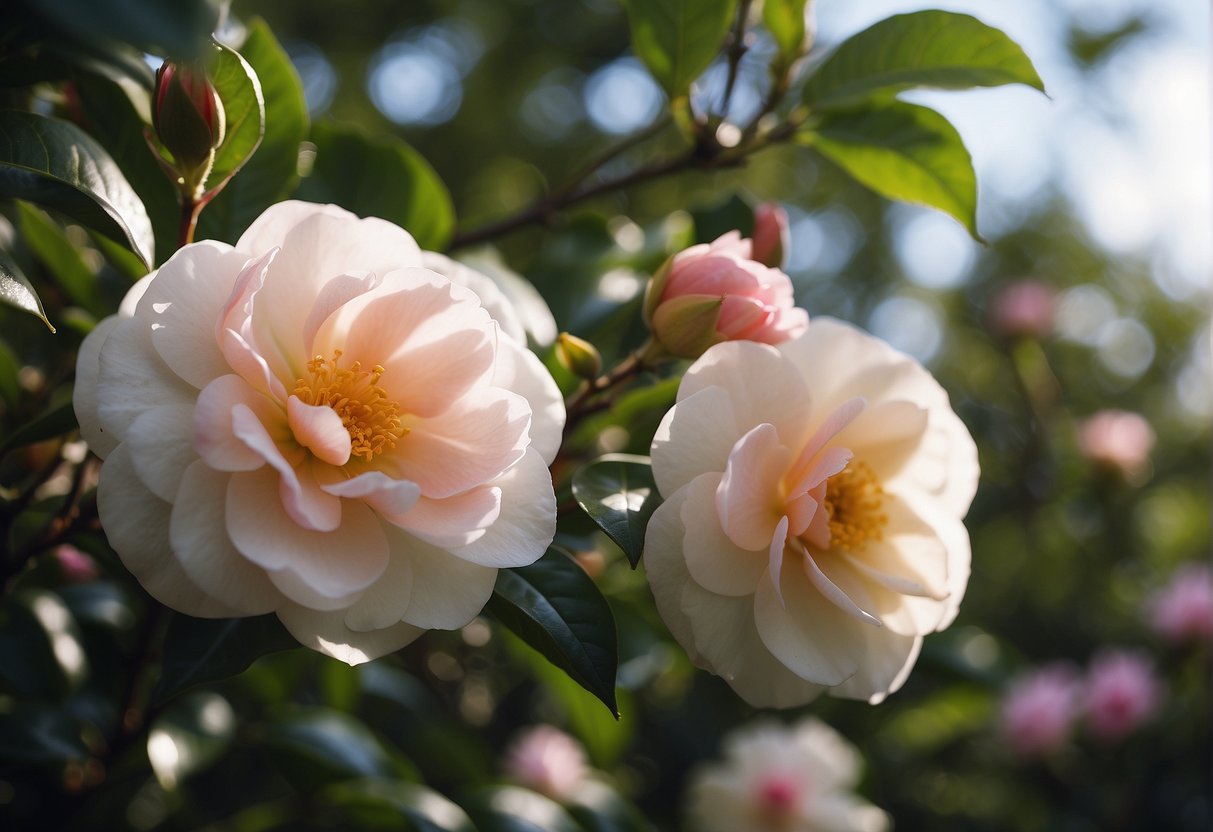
x,y
579,356
771,235
188,116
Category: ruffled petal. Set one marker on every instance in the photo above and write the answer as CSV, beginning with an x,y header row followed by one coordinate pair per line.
x,y
84,392
748,498
327,632
160,448
712,559
455,589
213,427
201,544
379,491
320,430
453,521
695,437
133,380
520,370
526,524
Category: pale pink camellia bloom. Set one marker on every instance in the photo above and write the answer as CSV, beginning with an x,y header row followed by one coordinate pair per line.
x,y
812,531
1183,610
769,243
716,292
547,760
1118,440
1023,309
1121,693
314,423
777,778
1038,710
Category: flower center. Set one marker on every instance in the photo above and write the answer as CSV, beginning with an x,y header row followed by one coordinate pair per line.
x,y
370,417
778,800
854,500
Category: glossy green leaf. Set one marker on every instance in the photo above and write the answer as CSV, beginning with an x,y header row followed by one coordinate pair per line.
x,y
922,49
192,734
39,732
514,809
200,650
53,423
179,28
903,152
785,20
239,88
557,609
315,747
57,165
677,39
16,291
272,173
51,246
381,177
619,493
383,804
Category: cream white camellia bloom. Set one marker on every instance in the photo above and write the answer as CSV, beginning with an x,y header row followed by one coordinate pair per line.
x,y
317,423
811,532
783,779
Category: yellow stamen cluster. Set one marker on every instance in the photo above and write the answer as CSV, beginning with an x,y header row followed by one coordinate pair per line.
x,y
372,419
854,500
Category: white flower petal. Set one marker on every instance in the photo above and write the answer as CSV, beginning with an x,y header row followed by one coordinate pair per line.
x,y
888,660
491,296
380,492
213,427
327,633
520,370
708,417
714,561
199,539
455,589
383,603
333,564
133,379
182,304
137,526
452,521
160,447
749,499
320,430
84,392
526,524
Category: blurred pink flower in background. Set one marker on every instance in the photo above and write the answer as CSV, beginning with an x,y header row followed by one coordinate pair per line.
x,y
77,567
1121,693
771,235
1183,609
776,778
1118,440
716,292
547,760
1023,309
1039,708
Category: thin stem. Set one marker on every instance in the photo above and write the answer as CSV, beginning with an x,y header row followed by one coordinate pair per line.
x,y
190,209
610,154
737,50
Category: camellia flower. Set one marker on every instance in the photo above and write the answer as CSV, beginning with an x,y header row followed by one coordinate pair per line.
x,y
783,779
811,532
1183,610
1039,709
547,760
715,292
1118,440
312,423
1121,693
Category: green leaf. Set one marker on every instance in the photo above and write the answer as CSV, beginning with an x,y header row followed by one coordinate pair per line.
x,y
382,804
52,247
514,809
117,115
677,39
556,608
47,426
381,177
785,20
189,736
271,175
200,650
179,28
922,49
57,165
315,747
16,291
619,493
239,88
903,152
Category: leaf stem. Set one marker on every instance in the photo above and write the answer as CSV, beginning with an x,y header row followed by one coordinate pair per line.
x,y
736,50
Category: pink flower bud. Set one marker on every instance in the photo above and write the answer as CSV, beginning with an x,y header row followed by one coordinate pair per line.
x,y
1038,710
715,292
1183,610
77,567
1023,310
547,760
1118,440
1121,693
771,235
188,115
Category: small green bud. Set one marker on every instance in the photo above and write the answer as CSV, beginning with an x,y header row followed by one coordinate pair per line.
x,y
579,356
